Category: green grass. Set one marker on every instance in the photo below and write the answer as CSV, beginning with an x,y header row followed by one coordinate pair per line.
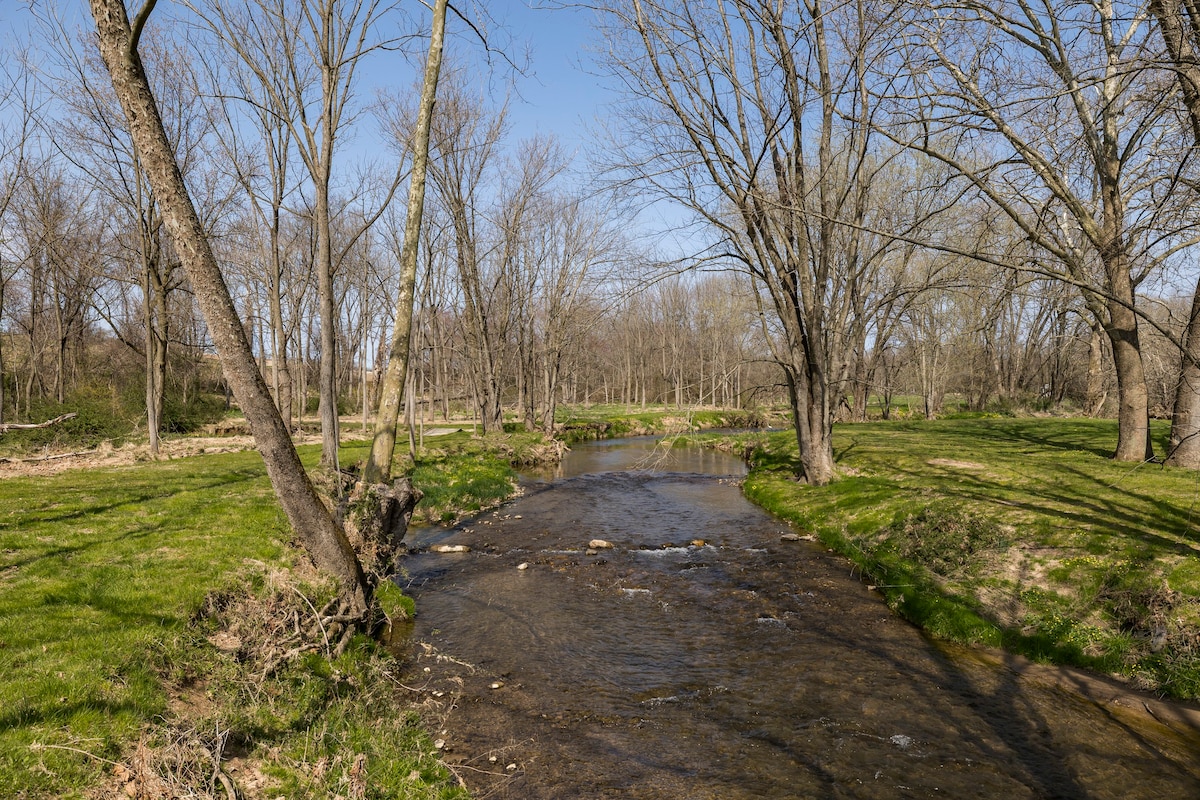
x,y
102,573
462,474
1013,532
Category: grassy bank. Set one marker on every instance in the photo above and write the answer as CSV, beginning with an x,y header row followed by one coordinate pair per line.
x,y
1018,533
579,423
131,600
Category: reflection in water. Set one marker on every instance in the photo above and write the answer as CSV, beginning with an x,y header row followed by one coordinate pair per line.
x,y
703,657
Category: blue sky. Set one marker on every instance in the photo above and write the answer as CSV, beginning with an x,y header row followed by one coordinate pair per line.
x,y
553,94
560,96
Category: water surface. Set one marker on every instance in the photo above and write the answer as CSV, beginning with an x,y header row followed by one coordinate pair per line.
x,y
704,657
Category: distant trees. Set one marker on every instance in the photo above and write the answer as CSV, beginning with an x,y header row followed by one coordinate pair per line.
x,y
880,203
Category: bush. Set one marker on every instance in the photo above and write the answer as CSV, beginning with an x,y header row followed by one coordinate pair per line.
x,y
943,538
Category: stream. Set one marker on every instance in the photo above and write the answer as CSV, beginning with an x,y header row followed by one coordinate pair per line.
x,y
702,656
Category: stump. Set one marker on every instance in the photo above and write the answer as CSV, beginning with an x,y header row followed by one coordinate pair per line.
x,y
376,518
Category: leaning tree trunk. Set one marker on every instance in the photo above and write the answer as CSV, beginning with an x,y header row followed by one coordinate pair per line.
x,y
310,519
379,466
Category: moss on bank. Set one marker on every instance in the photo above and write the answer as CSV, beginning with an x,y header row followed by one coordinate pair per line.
x,y
1018,533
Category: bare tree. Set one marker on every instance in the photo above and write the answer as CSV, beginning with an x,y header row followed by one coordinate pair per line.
x,y
753,117
378,468
466,137
1179,24
96,138
311,520
1042,110
317,45
17,114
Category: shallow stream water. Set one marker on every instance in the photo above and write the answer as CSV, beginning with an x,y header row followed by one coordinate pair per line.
x,y
704,657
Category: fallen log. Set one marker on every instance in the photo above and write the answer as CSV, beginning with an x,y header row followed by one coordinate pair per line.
x,y
26,426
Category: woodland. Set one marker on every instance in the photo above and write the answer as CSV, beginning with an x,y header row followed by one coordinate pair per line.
x,y
289,217
993,202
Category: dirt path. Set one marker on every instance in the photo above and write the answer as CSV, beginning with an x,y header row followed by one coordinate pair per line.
x,y
52,463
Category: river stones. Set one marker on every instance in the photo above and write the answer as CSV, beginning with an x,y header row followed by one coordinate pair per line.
x,y
524,565
599,544
449,548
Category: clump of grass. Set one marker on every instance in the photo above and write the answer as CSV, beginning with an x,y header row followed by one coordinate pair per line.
x,y
945,539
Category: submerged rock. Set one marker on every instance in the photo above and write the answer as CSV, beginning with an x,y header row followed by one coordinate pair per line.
x,y
449,548
599,544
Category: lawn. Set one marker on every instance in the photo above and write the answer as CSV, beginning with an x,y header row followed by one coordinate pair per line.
x,y
103,577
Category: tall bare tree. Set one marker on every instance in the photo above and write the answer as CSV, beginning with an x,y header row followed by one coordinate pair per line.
x,y
378,468
96,137
17,114
311,520
318,46
1042,109
1179,24
752,116
466,138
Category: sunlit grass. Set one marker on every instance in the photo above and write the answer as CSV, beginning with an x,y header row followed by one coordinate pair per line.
x,y
1101,556
102,572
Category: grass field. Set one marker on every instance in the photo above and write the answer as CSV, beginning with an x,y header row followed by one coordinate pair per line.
x,y
104,651
1018,533
116,585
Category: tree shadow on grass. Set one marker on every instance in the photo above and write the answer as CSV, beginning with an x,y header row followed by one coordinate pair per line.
x,y
38,551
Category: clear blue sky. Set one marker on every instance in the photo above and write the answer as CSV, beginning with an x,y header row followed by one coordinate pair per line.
x,y
559,94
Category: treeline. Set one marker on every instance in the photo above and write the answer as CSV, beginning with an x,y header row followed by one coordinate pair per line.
x,y
931,233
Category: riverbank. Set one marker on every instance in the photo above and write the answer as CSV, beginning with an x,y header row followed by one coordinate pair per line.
x,y
1014,533
158,634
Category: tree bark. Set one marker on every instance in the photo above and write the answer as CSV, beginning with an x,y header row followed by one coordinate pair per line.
x,y
378,468
1181,37
310,519
1184,447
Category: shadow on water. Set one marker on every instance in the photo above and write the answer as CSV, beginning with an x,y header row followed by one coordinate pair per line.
x,y
703,657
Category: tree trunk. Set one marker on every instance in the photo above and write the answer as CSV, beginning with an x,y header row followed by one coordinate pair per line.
x,y
1181,37
378,468
3,378
1184,448
153,419
310,519
1133,402
327,404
